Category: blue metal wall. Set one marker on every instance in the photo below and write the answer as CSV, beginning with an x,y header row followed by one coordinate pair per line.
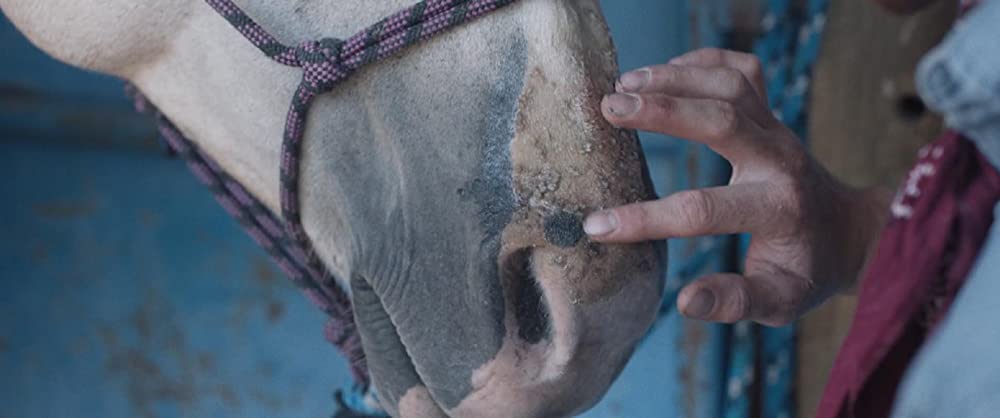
x,y
125,291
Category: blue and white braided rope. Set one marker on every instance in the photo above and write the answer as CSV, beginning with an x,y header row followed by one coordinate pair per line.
x,y
788,49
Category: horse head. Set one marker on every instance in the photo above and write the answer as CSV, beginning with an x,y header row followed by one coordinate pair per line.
x,y
444,187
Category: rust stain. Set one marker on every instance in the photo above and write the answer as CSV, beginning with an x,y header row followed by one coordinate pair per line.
x,y
18,94
263,271
692,341
142,322
92,120
154,385
159,367
275,310
269,282
240,313
206,361
64,210
146,383
267,400
149,218
228,396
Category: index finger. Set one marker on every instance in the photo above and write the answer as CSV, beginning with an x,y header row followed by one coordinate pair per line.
x,y
713,211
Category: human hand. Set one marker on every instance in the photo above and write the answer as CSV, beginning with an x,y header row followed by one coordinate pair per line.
x,y
811,234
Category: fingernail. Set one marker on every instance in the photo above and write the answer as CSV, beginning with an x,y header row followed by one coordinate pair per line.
x,y
600,224
635,80
701,304
622,104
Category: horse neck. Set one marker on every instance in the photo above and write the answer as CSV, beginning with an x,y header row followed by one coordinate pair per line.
x,y
227,96
298,20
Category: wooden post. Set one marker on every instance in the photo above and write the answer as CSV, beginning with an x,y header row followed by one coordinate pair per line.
x,y
866,125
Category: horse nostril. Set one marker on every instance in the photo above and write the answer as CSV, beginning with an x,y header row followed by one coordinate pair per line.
x,y
526,297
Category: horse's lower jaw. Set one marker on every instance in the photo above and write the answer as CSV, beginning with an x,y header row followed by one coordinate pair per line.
x,y
523,380
417,403
590,331
518,383
507,394
570,372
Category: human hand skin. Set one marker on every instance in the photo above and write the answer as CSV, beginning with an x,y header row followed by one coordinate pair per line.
x,y
811,234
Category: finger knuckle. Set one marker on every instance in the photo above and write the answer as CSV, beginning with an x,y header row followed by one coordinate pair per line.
x,y
667,75
727,122
696,209
632,218
740,306
661,105
733,83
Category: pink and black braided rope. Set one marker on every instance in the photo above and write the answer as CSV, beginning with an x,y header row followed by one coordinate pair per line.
x,y
325,64
268,231
328,62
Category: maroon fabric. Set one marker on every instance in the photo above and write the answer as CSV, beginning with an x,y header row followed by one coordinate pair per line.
x,y
967,5
940,220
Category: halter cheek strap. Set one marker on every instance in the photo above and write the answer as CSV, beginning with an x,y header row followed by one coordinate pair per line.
x,y
325,64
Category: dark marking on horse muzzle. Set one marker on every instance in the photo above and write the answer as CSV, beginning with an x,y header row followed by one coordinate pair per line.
x,y
564,229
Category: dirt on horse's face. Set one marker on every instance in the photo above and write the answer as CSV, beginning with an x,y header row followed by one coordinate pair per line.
x,y
500,304
446,187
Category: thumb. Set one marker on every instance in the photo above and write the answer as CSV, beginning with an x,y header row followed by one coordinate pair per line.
x,y
730,298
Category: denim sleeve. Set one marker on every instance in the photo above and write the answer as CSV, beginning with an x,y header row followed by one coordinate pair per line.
x,y
961,78
957,373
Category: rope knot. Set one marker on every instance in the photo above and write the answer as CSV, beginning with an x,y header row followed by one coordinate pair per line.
x,y
320,62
